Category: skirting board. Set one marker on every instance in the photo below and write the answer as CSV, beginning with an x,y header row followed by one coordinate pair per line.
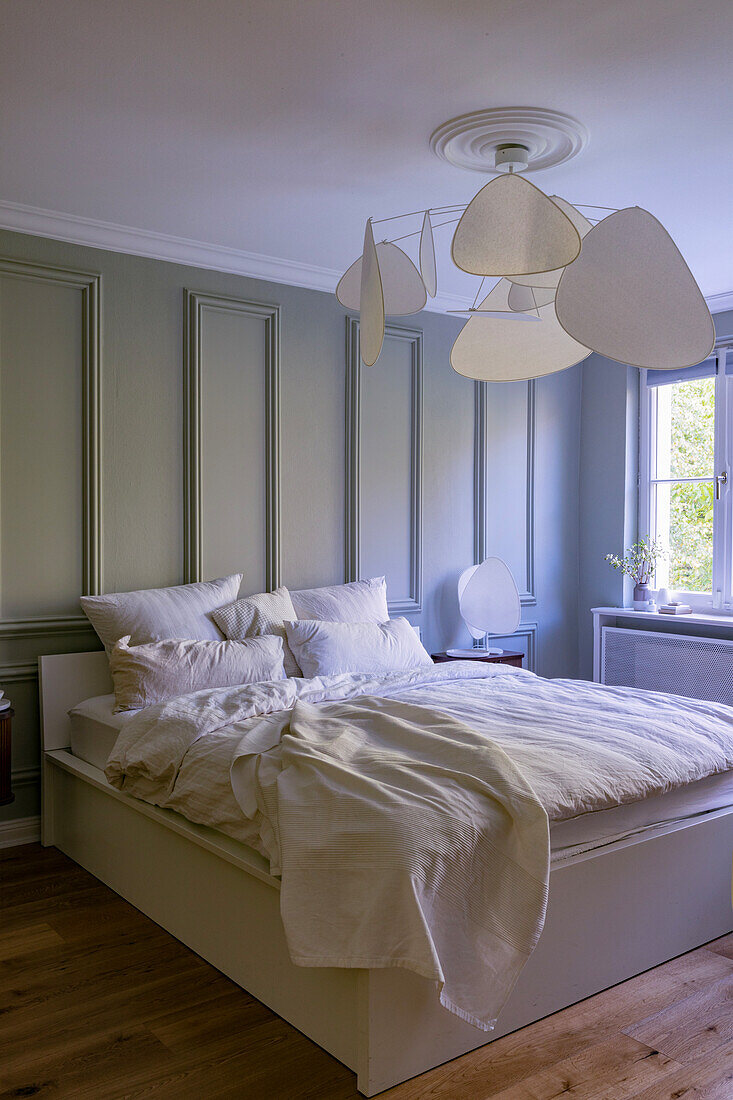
x,y
23,830
612,914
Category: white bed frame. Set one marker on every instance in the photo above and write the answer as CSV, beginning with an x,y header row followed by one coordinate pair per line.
x,y
612,913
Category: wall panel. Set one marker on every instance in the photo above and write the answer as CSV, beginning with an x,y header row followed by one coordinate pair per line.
x,y
523,640
49,440
384,460
232,439
505,479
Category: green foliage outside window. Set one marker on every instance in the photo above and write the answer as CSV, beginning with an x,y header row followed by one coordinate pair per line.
x,y
691,505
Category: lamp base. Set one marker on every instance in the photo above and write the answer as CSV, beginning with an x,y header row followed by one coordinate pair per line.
x,y
467,654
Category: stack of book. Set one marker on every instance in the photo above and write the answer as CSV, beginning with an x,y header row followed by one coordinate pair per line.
x,y
675,609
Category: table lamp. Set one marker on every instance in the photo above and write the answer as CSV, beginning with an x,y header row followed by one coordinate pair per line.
x,y
488,600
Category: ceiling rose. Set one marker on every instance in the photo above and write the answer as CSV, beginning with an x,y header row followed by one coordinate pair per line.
x,y
473,140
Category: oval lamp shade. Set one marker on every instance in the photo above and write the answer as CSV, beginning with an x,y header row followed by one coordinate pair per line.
x,y
488,599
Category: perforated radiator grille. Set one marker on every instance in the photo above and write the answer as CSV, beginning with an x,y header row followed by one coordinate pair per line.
x,y
701,668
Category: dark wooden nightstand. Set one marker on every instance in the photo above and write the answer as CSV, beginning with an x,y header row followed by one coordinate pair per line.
x,y
6,794
508,657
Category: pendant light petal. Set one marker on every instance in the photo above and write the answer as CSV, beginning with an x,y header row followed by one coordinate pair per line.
x,y
631,297
550,279
427,256
523,298
512,228
403,288
496,304
490,350
371,302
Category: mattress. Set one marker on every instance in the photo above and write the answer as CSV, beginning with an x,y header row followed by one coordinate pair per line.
x,y
95,728
589,831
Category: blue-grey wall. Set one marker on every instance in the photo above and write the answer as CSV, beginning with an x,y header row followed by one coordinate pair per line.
x,y
724,324
607,488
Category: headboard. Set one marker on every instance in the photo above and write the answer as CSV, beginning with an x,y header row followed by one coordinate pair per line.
x,y
66,679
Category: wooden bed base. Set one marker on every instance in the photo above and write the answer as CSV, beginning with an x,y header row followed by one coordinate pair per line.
x,y
613,913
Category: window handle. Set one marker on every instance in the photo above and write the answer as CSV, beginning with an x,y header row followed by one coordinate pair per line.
x,y
721,479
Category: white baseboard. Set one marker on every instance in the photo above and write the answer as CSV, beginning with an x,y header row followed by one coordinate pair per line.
x,y
24,830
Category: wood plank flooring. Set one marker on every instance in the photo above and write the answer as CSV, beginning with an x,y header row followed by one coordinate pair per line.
x,y
98,1002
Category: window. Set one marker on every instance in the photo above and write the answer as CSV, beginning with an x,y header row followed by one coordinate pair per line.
x,y
686,460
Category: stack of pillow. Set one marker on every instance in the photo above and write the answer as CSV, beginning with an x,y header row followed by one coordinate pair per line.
x,y
166,642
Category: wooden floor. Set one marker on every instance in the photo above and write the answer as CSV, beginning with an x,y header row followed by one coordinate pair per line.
x,y
97,1001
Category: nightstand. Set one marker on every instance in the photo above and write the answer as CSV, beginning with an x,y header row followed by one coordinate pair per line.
x,y
6,794
508,657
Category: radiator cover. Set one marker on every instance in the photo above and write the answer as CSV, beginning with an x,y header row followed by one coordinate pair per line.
x,y
700,668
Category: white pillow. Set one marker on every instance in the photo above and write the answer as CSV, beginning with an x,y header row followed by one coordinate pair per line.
x,y
150,614
326,649
261,614
156,671
357,602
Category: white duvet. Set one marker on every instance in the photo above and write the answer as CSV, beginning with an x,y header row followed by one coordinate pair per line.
x,y
408,815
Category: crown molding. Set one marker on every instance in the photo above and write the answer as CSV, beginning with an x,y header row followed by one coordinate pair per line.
x,y
111,237
19,218
718,303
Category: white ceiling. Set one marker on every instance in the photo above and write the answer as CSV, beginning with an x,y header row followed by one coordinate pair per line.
x,y
277,126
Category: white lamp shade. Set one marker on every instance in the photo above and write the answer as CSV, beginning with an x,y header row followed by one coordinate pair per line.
x,y
371,302
402,286
550,279
512,228
492,347
428,269
631,297
462,582
522,298
488,598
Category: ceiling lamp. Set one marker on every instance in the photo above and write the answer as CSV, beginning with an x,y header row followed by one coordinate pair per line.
x,y
609,281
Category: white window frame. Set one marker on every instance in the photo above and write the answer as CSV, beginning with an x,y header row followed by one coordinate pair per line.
x,y
721,598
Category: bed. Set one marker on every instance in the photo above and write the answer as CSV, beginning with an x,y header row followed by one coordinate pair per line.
x,y
630,887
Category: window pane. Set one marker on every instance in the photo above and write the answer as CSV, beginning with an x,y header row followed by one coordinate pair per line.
x,y
691,428
684,521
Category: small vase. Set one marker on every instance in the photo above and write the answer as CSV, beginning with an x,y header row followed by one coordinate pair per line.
x,y
641,597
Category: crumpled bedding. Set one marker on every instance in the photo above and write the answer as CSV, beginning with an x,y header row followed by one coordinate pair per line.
x,y
407,814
